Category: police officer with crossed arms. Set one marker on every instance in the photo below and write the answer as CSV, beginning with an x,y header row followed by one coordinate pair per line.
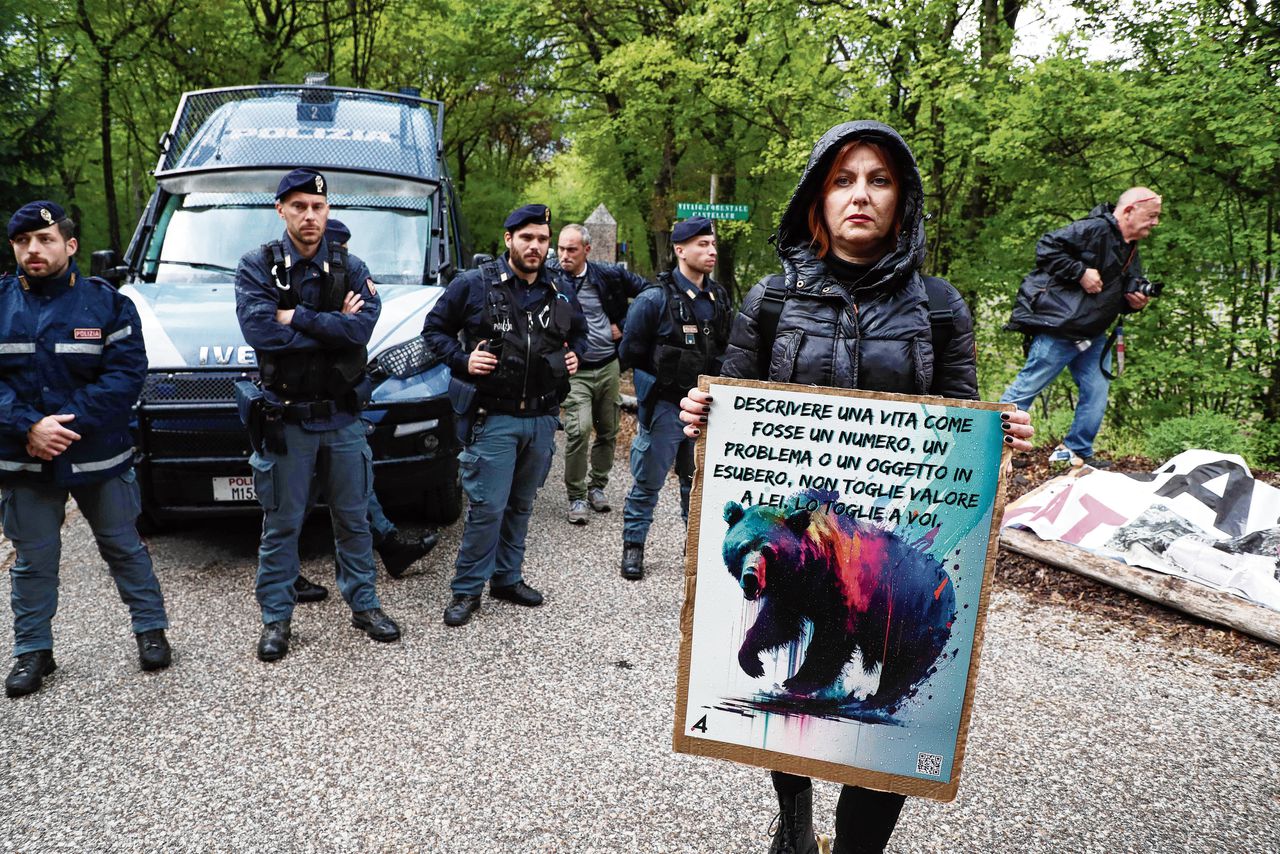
x,y
72,364
308,310
512,336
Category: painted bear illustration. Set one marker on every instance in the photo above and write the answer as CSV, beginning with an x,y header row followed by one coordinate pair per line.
x,y
861,587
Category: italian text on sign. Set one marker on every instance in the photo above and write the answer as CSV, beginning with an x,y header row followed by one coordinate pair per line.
x,y
841,546
684,210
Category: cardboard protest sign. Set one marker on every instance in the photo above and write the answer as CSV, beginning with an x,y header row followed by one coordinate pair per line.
x,y
841,545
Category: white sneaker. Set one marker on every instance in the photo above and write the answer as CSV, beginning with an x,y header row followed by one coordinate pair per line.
x,y
577,512
1060,455
600,504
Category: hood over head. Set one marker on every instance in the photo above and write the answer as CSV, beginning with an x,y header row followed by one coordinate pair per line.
x,y
793,237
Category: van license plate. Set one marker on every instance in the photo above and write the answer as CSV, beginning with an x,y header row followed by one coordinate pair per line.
x,y
239,488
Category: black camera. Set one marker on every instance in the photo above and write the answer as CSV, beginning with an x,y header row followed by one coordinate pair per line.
x,y
1146,287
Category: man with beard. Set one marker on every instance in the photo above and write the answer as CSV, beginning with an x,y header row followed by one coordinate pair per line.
x,y
674,332
512,336
72,362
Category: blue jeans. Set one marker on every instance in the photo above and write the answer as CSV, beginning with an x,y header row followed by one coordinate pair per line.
x,y
1049,354
654,450
283,483
33,516
502,470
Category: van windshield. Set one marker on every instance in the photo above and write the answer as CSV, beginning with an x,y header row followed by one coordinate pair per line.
x,y
205,243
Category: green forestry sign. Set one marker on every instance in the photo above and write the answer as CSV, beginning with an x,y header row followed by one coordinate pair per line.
x,y
684,210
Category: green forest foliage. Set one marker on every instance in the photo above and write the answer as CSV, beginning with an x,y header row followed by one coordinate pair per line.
x,y
639,105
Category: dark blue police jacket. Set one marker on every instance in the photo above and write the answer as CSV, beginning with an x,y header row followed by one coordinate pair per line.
x,y
464,308
258,298
68,347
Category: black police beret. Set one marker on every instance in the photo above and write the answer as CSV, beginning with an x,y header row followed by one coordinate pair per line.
x,y
691,228
34,216
527,214
304,181
335,231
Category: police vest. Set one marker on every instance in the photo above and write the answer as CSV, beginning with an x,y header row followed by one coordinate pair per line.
x,y
529,343
331,373
693,346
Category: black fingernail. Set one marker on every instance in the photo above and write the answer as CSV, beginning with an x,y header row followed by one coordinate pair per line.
x,y
697,432
1006,426
706,409
1008,440
702,419
1004,416
708,398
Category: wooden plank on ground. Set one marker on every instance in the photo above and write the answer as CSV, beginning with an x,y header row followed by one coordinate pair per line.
x,y
1168,590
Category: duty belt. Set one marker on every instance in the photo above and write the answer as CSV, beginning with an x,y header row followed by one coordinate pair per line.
x,y
516,405
295,413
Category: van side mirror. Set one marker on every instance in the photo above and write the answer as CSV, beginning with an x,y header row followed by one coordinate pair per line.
x,y
103,264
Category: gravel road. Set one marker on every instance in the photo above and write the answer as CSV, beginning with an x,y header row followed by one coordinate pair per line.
x,y
550,729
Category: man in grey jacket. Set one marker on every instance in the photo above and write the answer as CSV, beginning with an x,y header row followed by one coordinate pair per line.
x,y
592,404
1087,274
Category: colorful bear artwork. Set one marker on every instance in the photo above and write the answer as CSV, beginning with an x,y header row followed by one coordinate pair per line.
x,y
867,594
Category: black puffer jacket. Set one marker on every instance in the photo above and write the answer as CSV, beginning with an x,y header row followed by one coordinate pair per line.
x,y
1051,298
878,337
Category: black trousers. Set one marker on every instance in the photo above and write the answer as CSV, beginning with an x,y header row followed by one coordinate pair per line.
x,y
865,818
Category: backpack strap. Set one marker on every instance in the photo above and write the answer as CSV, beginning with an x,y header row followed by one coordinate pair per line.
x,y
775,294
942,320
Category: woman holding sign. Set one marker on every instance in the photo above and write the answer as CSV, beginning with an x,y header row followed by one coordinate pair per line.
x,y
852,310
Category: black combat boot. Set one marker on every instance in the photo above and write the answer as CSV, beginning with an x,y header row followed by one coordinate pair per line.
x,y
29,670
153,650
308,591
632,561
795,824
397,555
273,643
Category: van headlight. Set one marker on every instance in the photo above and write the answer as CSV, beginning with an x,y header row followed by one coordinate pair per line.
x,y
432,382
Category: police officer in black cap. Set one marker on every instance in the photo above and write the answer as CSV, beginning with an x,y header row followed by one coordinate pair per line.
x,y
674,332
522,334
72,363
308,309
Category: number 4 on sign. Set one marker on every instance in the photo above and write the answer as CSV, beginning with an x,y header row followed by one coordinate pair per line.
x,y
701,725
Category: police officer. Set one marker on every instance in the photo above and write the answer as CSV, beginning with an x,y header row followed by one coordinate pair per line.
x,y
522,334
674,332
72,363
397,555
308,310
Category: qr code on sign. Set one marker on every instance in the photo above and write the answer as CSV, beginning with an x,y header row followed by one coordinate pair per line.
x,y
929,763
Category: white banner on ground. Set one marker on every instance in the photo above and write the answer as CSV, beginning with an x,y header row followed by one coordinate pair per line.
x,y
1200,516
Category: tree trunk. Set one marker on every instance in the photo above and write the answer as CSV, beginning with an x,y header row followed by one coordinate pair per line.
x,y
108,166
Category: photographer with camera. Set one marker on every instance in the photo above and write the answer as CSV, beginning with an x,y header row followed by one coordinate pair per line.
x,y
1087,275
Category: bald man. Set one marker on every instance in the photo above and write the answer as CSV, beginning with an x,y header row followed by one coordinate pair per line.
x,y
1086,276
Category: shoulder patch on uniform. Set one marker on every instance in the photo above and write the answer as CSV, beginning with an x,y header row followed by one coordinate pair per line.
x,y
368,283
87,335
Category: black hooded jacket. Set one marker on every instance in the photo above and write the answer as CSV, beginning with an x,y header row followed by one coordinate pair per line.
x,y
878,336
1051,299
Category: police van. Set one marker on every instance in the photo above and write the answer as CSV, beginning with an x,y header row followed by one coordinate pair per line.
x,y
214,201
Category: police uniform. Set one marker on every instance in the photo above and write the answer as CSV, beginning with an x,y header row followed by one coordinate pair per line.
x,y
674,332
511,413
70,345
397,555
313,387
